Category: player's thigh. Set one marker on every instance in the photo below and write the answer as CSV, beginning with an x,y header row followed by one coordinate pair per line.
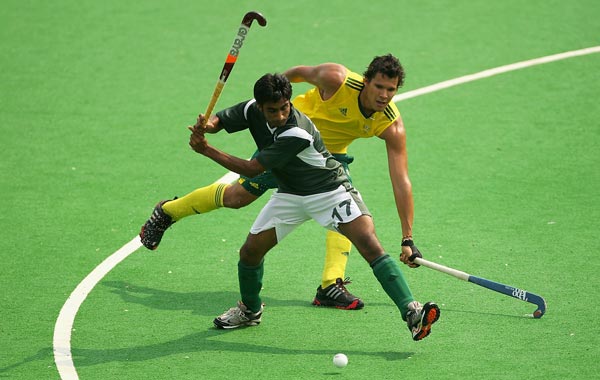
x,y
284,212
361,232
341,205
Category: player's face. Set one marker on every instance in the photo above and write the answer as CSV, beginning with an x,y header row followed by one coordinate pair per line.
x,y
378,93
276,113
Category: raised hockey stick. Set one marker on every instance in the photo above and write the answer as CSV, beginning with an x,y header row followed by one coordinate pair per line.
x,y
496,286
232,56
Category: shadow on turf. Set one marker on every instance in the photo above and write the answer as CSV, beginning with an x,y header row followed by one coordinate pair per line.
x,y
200,303
43,354
205,303
196,342
203,342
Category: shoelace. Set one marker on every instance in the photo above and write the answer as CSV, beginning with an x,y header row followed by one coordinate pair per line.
x,y
341,285
234,312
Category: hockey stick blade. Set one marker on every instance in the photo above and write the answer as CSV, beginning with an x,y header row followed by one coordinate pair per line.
x,y
251,16
510,291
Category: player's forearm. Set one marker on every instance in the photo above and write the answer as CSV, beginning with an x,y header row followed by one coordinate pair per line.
x,y
232,163
405,207
395,139
403,197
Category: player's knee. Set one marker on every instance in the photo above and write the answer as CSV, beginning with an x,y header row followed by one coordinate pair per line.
x,y
369,247
237,197
251,254
371,255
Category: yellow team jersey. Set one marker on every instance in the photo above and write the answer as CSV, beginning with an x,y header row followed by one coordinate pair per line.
x,y
339,118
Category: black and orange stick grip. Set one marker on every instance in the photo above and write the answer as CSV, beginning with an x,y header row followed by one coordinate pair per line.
x,y
232,56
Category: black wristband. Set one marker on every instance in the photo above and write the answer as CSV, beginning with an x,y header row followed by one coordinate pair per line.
x,y
407,243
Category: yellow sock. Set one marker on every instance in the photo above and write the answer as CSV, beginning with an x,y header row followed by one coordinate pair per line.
x,y
337,250
199,201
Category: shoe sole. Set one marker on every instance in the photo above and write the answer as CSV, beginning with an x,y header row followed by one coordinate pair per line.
x,y
218,324
357,304
430,315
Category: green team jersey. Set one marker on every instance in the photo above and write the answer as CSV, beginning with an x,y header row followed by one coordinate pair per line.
x,y
246,115
295,153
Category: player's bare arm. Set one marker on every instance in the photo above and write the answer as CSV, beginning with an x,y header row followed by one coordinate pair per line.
x,y
328,77
395,142
235,196
199,144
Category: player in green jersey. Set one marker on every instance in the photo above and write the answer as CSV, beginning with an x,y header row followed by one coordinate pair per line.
x,y
344,106
311,185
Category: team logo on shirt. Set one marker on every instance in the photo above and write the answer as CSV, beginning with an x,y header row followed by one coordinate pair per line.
x,y
344,111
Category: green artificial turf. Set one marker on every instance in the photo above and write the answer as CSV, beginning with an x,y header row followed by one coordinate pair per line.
x,y
95,97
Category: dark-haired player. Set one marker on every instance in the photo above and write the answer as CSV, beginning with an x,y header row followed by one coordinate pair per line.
x,y
311,184
344,106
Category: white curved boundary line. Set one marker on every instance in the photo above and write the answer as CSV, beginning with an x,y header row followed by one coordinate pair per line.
x,y
66,317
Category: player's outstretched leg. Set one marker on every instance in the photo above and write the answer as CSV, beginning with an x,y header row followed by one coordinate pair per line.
x,y
419,318
199,201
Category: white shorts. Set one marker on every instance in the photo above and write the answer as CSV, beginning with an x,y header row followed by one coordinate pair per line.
x,y
285,212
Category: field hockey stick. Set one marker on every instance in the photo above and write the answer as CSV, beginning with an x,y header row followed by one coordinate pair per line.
x,y
232,56
496,286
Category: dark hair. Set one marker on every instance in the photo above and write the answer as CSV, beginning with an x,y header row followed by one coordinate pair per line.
x,y
272,88
387,65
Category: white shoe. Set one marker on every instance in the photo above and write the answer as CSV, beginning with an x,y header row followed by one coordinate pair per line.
x,y
238,316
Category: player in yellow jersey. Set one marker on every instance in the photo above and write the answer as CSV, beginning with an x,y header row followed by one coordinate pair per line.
x,y
344,106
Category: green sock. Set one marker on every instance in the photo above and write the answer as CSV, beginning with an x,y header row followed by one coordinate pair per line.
x,y
250,278
390,276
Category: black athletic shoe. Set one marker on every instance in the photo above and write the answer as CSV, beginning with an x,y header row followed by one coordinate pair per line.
x,y
155,227
336,295
420,318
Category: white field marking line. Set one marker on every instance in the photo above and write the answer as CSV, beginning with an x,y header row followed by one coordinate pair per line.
x,y
492,72
64,323
66,317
